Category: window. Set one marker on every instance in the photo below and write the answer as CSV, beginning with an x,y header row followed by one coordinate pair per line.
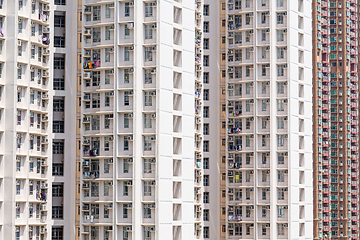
x,y
281,211
126,54
108,10
58,126
280,105
147,210
206,232
58,169
59,84
126,100
206,43
107,99
59,63
280,35
57,212
95,100
148,32
57,232
127,9
107,54
281,140
206,215
148,10
147,143
148,99
281,158
281,230
280,123
96,13
206,27
206,146
126,120
281,176
206,60
206,129
206,94
206,180
147,188
58,147
206,10
206,77
206,163
206,112
126,143
280,18
96,35
280,53
206,197
59,41
147,121
148,54
59,21
281,87
58,105
281,193
57,190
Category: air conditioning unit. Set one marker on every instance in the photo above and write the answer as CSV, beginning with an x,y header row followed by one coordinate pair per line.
x,y
131,3
153,26
85,185
152,138
111,71
31,137
251,190
19,42
152,183
153,160
128,229
153,115
111,139
152,206
153,70
131,70
267,225
87,32
153,93
129,183
43,230
87,75
153,48
110,183
130,138
130,25
130,115
43,207
129,160
131,48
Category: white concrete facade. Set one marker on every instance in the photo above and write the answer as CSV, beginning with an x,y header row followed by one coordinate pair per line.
x,y
269,152
29,171
137,177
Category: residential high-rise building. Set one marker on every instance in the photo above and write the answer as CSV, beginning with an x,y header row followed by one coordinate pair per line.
x,y
140,136
151,119
37,135
264,158
335,118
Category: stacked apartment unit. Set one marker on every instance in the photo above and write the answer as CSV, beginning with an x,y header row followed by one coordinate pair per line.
x,y
36,181
137,120
268,139
335,99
